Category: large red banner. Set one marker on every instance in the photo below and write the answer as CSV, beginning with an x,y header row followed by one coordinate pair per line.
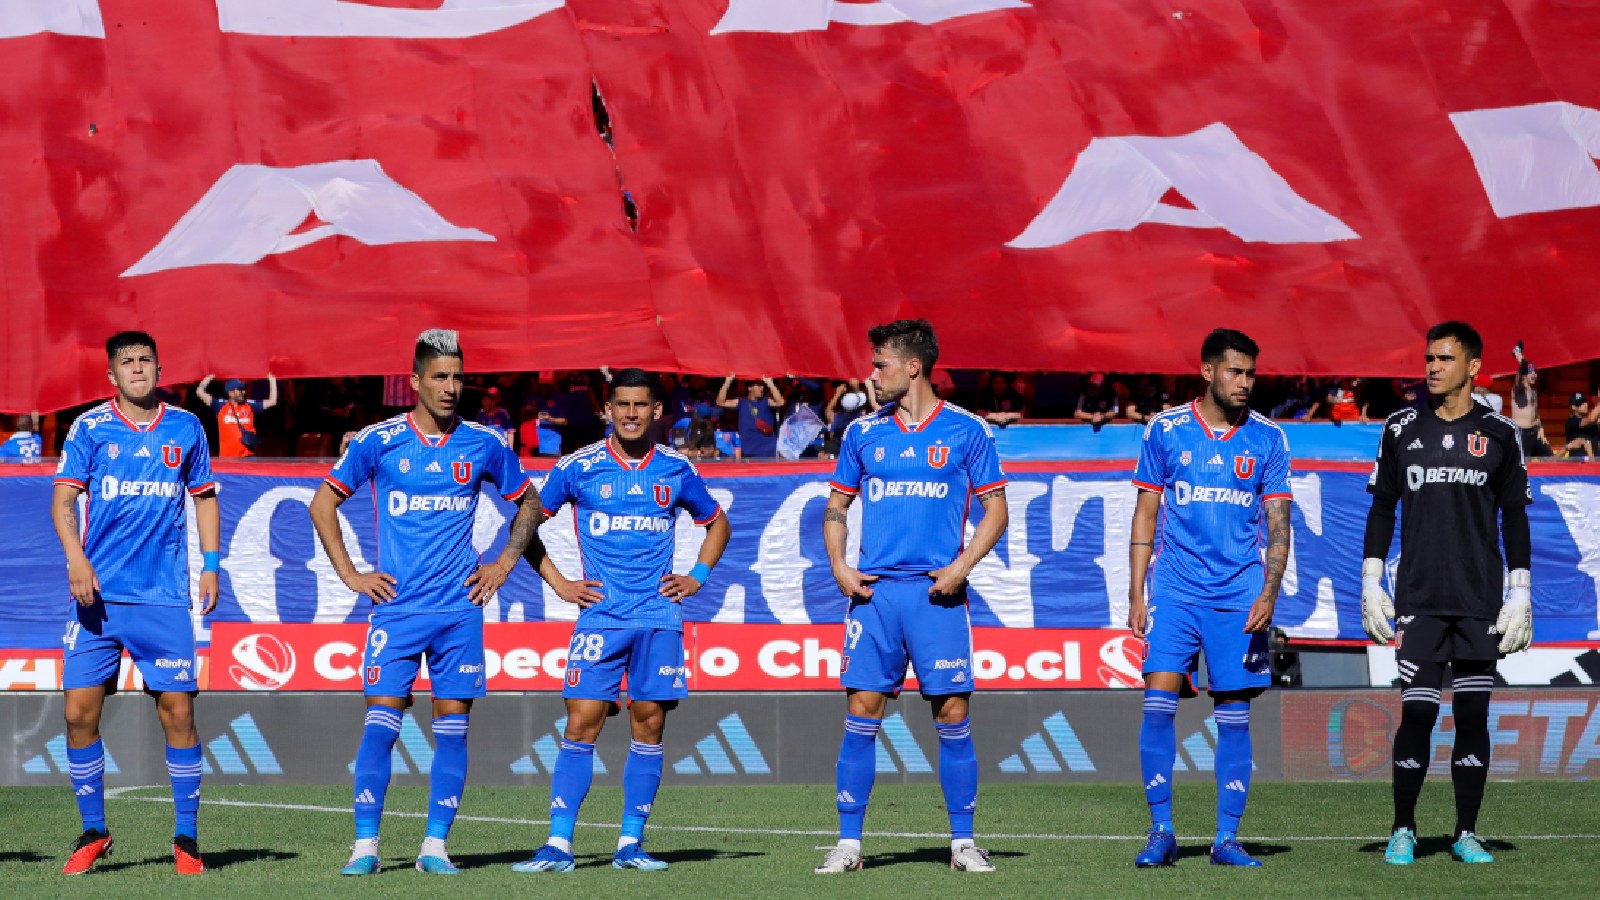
x,y
303,186
532,656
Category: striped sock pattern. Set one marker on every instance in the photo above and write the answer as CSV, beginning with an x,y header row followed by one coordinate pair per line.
x,y
569,785
641,779
86,766
184,765
1158,749
378,734
447,778
1234,765
958,775
855,773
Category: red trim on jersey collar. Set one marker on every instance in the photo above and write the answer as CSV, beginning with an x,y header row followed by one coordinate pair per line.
x,y
161,410
1210,432
428,439
920,425
624,462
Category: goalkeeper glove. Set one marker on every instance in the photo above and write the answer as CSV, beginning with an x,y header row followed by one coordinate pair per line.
x,y
1515,625
1376,608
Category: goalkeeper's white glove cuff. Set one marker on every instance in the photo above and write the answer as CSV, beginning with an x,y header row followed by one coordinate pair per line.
x,y
1371,572
1521,584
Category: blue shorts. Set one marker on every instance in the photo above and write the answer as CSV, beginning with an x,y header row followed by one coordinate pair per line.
x,y
902,622
452,641
1235,661
159,638
652,658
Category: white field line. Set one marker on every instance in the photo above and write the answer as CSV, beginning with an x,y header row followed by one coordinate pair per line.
x,y
121,793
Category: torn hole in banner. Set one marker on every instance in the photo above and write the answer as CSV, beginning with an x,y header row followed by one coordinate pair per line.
x,y
602,124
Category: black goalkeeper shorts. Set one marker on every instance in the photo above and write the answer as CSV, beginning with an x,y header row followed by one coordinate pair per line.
x,y
1445,638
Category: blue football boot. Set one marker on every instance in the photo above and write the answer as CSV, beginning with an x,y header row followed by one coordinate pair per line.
x,y
633,857
547,859
1227,852
1160,849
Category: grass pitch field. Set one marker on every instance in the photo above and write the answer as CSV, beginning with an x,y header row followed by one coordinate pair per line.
x,y
1048,840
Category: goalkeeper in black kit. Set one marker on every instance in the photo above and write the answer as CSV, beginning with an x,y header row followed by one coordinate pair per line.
x,y
1458,472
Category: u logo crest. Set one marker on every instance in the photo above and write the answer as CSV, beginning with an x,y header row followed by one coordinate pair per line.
x,y
461,470
663,495
172,456
938,455
1244,465
1477,444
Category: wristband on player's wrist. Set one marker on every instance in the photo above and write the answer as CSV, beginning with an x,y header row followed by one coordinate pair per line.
x,y
700,572
213,560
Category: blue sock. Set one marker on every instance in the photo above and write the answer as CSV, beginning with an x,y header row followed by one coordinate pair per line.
x,y
958,775
569,784
87,766
447,779
372,768
183,768
1235,761
641,778
854,774
1158,747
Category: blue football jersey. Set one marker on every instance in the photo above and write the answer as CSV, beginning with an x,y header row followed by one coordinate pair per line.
x,y
627,513
1209,546
134,478
425,490
917,484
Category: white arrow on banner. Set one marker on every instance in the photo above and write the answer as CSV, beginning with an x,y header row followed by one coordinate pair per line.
x,y
342,19
791,16
81,18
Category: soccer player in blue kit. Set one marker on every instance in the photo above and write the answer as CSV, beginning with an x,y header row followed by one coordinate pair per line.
x,y
626,493
426,469
917,462
1208,471
137,460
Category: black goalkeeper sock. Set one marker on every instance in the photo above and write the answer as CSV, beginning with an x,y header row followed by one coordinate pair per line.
x,y
1419,708
1469,764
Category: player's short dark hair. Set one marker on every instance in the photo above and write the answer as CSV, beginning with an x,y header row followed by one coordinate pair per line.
x,y
122,340
633,378
913,337
1464,334
1221,340
434,343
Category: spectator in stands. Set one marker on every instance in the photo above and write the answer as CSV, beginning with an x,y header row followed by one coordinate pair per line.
x,y
571,412
492,415
1525,407
1379,399
1583,427
236,415
852,399
1000,403
1483,392
24,444
1147,399
758,419
1302,399
1098,404
1344,402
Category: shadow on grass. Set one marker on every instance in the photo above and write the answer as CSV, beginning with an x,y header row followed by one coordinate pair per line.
x,y
216,859
22,856
1438,846
939,855
587,860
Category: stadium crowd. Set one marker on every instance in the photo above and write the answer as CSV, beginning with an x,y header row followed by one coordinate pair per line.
x,y
738,418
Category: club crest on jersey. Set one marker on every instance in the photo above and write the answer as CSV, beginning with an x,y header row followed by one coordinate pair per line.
x,y
113,451
461,471
938,455
574,674
172,456
405,466
372,674
1477,444
878,455
1185,458
663,495
1244,465
605,492
1449,441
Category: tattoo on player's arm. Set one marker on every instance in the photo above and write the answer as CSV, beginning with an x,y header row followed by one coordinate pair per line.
x,y
998,494
1279,534
836,515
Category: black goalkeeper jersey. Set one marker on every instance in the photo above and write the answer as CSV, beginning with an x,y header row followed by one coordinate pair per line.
x,y
1451,479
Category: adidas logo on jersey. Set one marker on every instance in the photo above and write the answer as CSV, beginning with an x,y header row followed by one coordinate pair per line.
x,y
434,467
908,453
143,452
452,802
1408,764
1216,460
1469,760
1415,445
366,797
1235,785
1155,782
635,491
